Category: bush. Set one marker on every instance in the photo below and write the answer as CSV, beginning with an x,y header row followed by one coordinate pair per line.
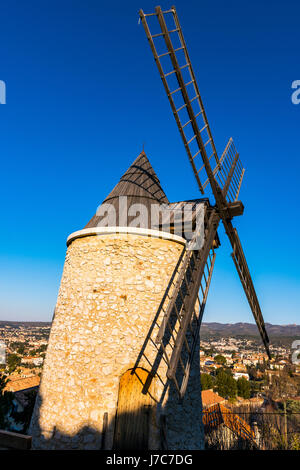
x,y
243,387
226,386
207,381
219,359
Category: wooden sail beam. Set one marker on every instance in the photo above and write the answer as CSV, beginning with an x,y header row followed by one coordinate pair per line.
x,y
225,179
189,303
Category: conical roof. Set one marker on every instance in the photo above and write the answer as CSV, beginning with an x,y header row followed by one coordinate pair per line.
x,y
140,185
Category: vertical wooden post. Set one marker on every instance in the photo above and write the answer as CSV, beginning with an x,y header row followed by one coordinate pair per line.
x,y
104,430
285,425
163,432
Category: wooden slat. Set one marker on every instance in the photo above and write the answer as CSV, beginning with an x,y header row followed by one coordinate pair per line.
x,y
191,299
186,98
13,440
246,280
168,92
197,331
230,175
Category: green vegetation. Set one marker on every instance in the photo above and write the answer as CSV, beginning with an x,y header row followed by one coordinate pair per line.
x,y
6,399
13,361
243,388
292,406
209,352
283,385
207,381
24,417
219,359
226,386
255,387
18,347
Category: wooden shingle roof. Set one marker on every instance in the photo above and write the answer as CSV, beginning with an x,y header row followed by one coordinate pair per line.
x,y
142,189
140,180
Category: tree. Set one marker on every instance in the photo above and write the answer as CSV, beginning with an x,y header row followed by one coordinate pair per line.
x,y
42,348
293,406
21,349
24,417
252,372
219,359
207,381
283,386
226,385
209,352
295,442
227,371
13,361
243,387
6,404
255,386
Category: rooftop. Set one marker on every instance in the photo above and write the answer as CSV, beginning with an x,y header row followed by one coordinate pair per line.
x,y
210,398
22,384
138,200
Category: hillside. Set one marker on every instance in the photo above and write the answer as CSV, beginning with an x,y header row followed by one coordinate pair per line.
x,y
207,329
25,324
278,334
249,329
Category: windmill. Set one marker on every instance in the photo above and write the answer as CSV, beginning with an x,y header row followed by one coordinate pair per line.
x,y
131,299
223,176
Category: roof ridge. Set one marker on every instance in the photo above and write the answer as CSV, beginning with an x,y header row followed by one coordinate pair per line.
x,y
142,170
140,184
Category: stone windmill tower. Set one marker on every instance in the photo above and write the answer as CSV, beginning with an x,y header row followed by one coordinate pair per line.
x,y
104,382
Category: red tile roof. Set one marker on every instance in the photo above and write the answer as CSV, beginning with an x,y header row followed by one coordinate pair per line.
x,y
210,398
219,414
22,384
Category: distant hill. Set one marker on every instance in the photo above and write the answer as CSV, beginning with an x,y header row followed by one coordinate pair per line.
x,y
249,329
215,329
17,324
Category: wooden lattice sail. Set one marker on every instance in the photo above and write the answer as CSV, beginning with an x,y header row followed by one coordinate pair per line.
x,y
223,176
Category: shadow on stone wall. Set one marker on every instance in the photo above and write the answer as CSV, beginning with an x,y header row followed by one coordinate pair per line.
x,y
183,429
173,425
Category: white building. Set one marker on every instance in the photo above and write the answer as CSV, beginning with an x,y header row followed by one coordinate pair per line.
x,y
238,375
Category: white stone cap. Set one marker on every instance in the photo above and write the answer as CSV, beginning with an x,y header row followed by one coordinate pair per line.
x,y
86,232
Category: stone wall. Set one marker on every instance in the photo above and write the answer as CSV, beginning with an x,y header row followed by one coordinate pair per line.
x,y
105,323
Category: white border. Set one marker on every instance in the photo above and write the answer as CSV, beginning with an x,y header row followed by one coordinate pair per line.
x,y
116,230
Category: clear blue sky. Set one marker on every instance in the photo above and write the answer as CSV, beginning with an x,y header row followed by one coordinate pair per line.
x,y
83,95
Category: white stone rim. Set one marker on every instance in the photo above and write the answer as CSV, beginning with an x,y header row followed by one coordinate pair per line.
x,y
129,230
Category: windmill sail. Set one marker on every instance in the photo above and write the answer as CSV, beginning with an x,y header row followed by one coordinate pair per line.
x,y
189,113
230,173
184,312
246,280
224,175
